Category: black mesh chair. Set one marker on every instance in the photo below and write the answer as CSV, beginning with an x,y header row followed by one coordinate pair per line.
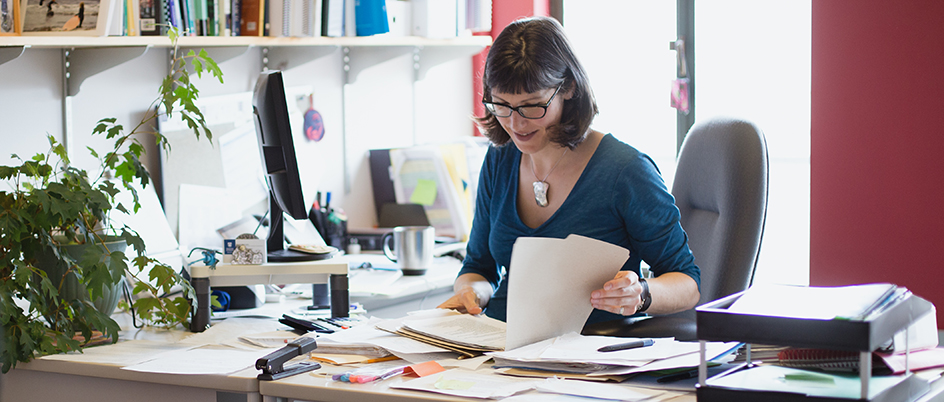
x,y
721,191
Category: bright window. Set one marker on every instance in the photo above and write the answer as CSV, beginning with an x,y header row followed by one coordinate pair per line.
x,y
752,61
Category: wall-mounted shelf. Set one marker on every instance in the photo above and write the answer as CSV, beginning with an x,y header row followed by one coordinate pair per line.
x,y
92,55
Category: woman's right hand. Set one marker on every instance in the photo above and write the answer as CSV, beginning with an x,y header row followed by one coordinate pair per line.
x,y
465,301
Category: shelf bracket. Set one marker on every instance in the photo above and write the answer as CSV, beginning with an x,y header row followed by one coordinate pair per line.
x,y
86,62
11,52
359,58
288,57
428,57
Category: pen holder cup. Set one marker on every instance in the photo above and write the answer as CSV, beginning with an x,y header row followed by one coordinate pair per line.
x,y
332,229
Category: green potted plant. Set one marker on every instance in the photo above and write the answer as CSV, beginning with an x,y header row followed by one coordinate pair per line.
x,y
59,252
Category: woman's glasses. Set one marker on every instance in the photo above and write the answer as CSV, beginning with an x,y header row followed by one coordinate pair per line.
x,y
526,111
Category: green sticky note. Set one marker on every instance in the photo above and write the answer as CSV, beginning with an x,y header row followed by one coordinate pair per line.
x,y
424,193
819,379
453,384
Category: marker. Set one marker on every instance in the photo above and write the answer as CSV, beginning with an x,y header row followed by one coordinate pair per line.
x,y
625,346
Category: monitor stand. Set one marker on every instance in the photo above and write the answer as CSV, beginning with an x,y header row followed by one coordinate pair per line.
x,y
275,243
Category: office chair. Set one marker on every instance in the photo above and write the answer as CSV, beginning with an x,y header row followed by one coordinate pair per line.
x,y
721,191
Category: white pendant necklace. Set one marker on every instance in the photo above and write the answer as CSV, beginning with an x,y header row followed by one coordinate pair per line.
x,y
541,186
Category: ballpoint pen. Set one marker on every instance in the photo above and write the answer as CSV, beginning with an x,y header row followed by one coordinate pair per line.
x,y
628,345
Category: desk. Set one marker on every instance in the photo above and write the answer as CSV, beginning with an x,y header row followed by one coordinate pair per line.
x,y
53,380
319,389
408,293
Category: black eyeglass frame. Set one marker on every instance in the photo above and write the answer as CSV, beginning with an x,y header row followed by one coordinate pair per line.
x,y
490,106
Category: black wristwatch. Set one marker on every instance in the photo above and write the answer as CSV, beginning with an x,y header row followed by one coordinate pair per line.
x,y
645,296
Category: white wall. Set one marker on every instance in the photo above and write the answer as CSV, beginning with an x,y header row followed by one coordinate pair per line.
x,y
379,113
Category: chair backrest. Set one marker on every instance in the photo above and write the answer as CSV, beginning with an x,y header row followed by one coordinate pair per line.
x,y
720,189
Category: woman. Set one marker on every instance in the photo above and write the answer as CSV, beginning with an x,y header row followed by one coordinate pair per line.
x,y
558,176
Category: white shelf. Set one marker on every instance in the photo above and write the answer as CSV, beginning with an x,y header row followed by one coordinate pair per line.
x,y
63,42
91,55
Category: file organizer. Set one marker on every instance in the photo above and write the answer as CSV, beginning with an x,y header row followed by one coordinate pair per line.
x,y
716,323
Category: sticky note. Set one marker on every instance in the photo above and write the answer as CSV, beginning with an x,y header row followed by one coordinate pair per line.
x,y
453,384
424,369
424,193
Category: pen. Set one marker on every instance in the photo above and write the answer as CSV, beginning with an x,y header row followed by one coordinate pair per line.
x,y
678,376
628,345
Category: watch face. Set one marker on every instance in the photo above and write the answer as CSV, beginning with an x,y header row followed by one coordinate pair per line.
x,y
314,125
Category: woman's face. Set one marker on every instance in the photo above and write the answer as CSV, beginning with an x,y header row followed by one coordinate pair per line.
x,y
530,135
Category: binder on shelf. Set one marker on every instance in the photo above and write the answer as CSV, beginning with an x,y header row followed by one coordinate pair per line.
x,y
350,24
200,17
332,18
885,313
280,14
371,17
151,12
253,16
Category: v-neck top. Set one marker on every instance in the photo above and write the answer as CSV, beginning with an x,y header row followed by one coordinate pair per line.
x,y
620,198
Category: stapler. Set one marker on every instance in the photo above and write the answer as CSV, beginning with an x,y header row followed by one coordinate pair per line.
x,y
272,363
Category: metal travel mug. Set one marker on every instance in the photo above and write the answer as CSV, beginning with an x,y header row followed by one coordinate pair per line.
x,y
412,248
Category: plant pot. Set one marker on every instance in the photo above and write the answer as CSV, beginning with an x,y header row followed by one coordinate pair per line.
x,y
70,288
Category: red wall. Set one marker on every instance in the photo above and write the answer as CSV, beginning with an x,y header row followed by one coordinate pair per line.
x,y
877,158
503,13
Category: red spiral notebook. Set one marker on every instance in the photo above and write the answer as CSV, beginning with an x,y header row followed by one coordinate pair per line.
x,y
841,360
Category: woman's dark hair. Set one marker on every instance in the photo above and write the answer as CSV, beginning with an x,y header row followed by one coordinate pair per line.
x,y
531,55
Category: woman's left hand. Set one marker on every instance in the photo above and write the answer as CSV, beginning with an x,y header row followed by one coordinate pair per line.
x,y
619,295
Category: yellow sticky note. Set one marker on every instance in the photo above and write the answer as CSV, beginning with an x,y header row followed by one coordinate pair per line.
x,y
424,193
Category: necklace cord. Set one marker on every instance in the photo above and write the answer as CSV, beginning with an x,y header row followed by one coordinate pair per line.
x,y
552,169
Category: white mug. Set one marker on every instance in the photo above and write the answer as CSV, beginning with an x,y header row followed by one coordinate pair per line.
x,y
412,248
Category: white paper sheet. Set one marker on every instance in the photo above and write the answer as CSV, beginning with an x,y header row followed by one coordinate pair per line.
x,y
482,384
596,390
203,360
123,353
576,347
817,303
550,285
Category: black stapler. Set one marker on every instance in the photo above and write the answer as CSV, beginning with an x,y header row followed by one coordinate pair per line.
x,y
272,363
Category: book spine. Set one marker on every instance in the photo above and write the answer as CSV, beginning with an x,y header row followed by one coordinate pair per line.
x,y
225,15
235,17
212,20
251,21
150,17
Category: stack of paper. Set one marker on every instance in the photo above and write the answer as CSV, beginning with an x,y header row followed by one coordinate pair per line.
x,y
465,334
576,354
855,302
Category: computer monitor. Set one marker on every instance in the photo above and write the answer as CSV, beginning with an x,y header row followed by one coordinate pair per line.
x,y
274,133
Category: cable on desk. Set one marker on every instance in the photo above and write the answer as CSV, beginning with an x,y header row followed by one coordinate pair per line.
x,y
134,319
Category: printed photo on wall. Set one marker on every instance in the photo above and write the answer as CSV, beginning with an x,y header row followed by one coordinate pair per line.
x,y
9,10
65,17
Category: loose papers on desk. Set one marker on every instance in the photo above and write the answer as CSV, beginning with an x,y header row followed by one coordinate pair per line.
x,y
366,337
577,354
550,281
449,330
469,384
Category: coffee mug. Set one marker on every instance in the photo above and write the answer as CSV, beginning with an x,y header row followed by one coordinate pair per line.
x,y
412,248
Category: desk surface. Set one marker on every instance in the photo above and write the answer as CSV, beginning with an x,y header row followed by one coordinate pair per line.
x,y
308,387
